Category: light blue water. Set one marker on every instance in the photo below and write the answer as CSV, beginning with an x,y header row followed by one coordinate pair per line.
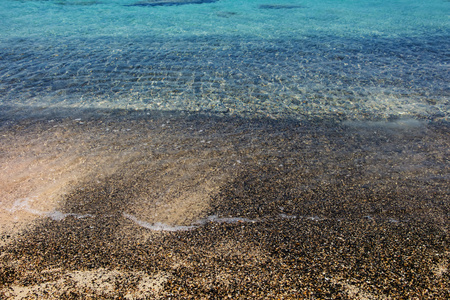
x,y
369,59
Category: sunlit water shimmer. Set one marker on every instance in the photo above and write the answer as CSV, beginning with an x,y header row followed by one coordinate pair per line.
x,y
352,59
224,149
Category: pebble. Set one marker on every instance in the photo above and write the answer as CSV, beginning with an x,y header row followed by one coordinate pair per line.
x,y
322,246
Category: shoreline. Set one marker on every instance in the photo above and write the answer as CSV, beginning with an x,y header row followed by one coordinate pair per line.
x,y
343,210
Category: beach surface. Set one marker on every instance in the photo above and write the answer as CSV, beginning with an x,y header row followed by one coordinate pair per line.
x,y
117,204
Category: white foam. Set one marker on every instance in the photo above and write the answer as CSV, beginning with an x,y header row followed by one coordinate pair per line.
x,y
165,227
20,204
23,204
284,216
216,219
314,218
394,125
59,216
157,226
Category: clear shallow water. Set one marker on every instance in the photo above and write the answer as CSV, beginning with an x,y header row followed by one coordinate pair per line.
x,y
347,59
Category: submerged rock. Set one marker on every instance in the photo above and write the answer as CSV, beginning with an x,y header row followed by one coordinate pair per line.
x,y
79,2
279,6
170,2
226,14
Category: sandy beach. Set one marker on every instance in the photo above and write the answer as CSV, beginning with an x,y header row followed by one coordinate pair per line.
x,y
146,205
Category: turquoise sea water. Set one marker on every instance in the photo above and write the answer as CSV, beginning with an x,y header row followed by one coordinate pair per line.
x,y
370,59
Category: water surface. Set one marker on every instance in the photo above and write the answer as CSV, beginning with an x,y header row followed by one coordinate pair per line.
x,y
253,149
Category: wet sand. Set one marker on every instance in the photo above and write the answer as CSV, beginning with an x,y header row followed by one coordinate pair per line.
x,y
147,205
